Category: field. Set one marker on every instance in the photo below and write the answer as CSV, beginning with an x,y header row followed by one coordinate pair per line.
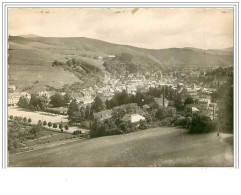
x,y
162,146
36,116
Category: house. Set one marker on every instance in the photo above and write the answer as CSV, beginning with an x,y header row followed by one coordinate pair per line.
x,y
100,58
103,115
44,93
63,110
146,107
204,101
111,56
26,95
11,88
194,110
13,98
133,118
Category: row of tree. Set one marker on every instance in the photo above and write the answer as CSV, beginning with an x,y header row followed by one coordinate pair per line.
x,y
40,123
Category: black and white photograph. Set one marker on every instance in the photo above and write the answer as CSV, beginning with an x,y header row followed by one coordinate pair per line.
x,y
120,87
120,98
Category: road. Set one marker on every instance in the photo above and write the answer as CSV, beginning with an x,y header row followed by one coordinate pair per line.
x,y
162,146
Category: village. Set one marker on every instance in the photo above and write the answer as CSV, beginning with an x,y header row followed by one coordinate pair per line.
x,y
154,100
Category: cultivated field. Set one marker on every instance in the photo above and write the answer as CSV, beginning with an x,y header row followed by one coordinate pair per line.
x,y
165,146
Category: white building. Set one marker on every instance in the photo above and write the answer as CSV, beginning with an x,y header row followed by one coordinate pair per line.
x,y
133,118
100,58
13,98
111,56
11,88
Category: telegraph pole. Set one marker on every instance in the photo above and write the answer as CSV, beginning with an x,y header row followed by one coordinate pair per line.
x,y
213,111
163,99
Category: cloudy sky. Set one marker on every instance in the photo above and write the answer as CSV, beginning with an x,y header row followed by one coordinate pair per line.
x,y
154,28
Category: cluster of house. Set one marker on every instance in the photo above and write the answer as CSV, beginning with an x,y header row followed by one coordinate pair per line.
x,y
202,100
14,95
107,114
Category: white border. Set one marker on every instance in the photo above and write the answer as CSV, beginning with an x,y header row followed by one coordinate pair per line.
x,y
129,5
123,180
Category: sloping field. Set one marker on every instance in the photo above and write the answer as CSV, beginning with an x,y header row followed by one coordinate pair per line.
x,y
30,58
166,146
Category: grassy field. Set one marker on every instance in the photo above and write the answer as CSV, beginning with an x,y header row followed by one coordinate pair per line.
x,y
166,146
36,116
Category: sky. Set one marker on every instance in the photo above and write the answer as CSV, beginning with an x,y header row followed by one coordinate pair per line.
x,y
153,28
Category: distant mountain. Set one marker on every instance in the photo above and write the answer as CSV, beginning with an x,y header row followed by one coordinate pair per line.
x,y
31,57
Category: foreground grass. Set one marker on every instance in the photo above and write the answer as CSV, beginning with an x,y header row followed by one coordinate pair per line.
x,y
162,146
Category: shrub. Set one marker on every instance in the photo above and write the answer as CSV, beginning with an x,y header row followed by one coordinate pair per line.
x,y
167,121
49,124
11,117
201,124
53,110
54,125
29,120
77,132
25,120
102,128
143,124
44,123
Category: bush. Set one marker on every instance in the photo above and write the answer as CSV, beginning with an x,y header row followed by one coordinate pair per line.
x,y
167,121
11,117
52,110
102,128
127,127
77,132
201,124
143,124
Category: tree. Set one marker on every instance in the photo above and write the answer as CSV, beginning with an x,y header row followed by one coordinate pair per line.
x,y
88,112
66,127
55,125
61,127
29,120
178,104
20,119
23,102
67,98
44,123
98,105
35,130
57,100
73,107
125,57
82,113
225,105
201,124
38,102
40,123
49,124
25,120
11,117
189,100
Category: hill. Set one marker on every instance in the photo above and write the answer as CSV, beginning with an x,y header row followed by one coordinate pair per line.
x,y
31,58
162,146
